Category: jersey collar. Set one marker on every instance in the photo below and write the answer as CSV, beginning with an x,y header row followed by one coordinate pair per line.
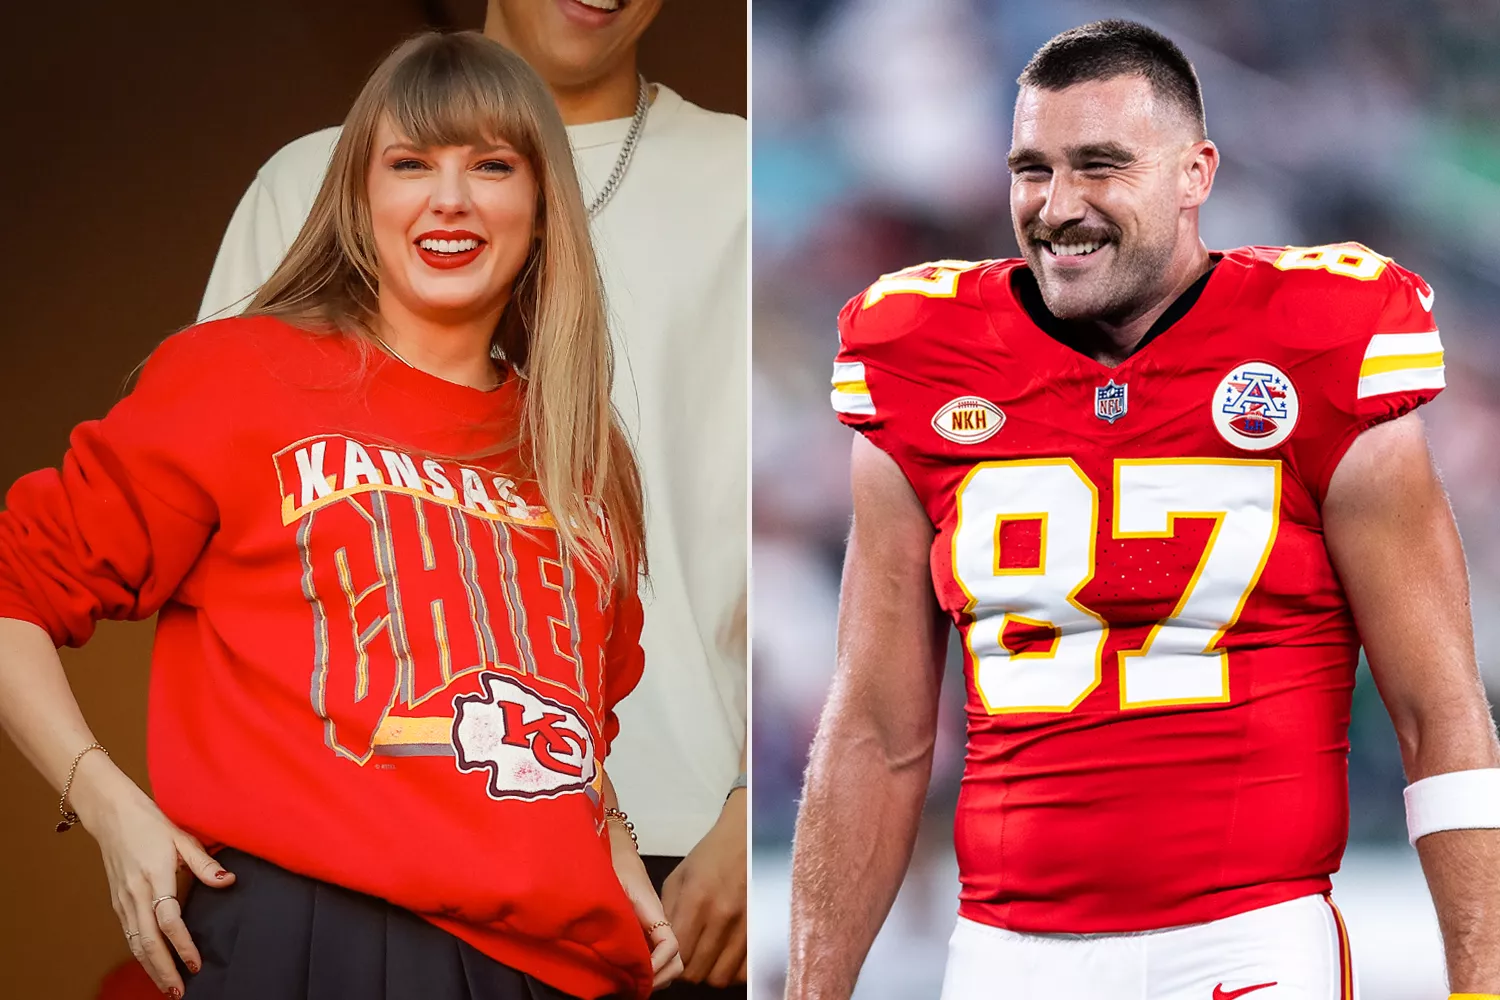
x,y
1023,282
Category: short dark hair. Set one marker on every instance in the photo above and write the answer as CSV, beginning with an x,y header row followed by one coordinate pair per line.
x,y
1103,50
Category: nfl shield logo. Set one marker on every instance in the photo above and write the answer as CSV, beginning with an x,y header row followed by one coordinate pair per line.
x,y
1110,401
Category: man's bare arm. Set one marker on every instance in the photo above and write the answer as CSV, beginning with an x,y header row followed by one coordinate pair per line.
x,y
1392,538
872,757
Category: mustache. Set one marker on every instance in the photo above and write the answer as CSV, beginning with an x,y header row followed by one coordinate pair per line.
x,y
1071,233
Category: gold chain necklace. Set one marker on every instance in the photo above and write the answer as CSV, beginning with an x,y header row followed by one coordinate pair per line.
x,y
397,355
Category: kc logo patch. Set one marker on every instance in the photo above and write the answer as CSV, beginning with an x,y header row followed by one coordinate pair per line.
x,y
1255,406
533,747
968,420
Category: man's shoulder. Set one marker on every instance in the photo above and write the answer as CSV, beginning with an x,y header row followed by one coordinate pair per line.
x,y
1339,274
689,123
716,124
905,304
1330,295
302,161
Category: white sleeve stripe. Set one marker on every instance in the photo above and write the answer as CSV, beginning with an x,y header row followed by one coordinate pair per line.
x,y
848,371
1383,345
857,404
1401,380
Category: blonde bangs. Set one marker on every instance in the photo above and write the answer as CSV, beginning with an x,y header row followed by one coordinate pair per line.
x,y
462,89
436,99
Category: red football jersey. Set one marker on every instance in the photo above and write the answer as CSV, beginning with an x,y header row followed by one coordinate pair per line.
x,y
1158,654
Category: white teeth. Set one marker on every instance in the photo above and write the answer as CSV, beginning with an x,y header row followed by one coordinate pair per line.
x,y
601,4
448,246
1073,249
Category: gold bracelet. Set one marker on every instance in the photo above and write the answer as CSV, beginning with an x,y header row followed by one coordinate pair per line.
x,y
618,815
69,817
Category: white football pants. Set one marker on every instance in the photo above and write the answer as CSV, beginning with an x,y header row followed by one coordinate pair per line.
x,y
1297,950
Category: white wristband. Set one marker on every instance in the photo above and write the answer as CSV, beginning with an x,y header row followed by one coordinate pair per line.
x,y
1458,800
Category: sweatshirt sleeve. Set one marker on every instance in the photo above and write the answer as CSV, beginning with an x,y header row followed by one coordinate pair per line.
x,y
114,531
624,661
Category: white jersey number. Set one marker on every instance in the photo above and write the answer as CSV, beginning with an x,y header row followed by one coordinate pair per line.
x,y
1179,663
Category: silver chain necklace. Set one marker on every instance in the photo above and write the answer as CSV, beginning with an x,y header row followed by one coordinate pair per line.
x,y
627,149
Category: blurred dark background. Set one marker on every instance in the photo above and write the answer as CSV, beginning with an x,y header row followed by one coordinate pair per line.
x,y
881,128
132,129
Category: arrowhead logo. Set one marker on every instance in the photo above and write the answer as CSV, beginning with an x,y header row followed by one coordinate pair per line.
x,y
1221,994
534,747
1426,300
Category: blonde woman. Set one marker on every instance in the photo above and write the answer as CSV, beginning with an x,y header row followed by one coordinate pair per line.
x,y
393,535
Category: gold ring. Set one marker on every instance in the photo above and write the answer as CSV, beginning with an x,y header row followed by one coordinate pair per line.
x,y
659,923
131,934
160,900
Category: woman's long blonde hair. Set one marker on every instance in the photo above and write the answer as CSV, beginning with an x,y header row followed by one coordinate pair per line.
x,y
463,89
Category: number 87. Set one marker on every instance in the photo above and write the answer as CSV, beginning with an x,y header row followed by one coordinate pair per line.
x,y
1180,662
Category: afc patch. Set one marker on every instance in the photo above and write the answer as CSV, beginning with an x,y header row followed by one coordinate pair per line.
x,y
1255,407
1111,401
968,420
533,747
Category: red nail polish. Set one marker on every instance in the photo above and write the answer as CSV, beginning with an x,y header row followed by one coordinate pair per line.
x,y
174,993
193,967
221,874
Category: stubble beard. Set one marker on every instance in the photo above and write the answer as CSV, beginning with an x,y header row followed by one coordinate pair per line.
x,y
1125,285
1128,283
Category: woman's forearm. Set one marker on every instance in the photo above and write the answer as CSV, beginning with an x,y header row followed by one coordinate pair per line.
x,y
37,707
41,716
611,800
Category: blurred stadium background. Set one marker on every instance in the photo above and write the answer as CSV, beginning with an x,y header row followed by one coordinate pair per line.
x,y
880,134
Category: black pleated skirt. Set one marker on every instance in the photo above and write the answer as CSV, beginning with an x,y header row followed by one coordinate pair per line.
x,y
274,935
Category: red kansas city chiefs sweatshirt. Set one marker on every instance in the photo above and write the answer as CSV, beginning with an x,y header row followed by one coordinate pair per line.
x,y
371,665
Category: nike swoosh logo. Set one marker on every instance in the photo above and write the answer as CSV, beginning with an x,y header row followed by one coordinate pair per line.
x,y
1219,993
1426,300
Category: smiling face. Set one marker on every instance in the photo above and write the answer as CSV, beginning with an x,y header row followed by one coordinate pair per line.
x,y
1105,182
452,225
573,43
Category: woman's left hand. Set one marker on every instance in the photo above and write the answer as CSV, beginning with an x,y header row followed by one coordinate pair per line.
x,y
666,962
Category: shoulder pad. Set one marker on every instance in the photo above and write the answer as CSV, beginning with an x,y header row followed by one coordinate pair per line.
x,y
902,300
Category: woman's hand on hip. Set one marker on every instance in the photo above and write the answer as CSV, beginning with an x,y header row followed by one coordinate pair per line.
x,y
666,961
143,853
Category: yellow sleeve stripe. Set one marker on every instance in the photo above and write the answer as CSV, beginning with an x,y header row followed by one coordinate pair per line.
x,y
1400,362
850,393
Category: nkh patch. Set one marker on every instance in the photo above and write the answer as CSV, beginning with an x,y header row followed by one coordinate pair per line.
x,y
1255,407
534,747
968,420
1111,400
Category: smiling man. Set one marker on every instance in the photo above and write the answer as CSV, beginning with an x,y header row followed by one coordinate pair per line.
x,y
1164,494
666,185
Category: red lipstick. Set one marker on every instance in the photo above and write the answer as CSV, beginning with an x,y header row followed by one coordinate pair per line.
x,y
446,260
